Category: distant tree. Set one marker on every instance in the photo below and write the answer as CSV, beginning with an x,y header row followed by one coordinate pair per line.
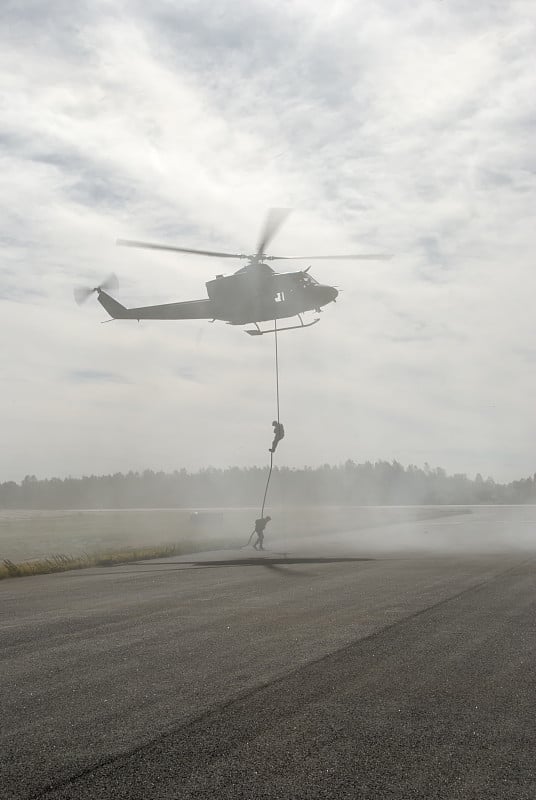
x,y
346,484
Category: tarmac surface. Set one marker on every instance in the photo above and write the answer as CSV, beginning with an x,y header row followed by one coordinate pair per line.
x,y
336,669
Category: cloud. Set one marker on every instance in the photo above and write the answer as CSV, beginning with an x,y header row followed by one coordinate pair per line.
x,y
389,127
93,375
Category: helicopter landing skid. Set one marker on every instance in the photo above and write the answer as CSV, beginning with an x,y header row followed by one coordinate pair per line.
x,y
302,324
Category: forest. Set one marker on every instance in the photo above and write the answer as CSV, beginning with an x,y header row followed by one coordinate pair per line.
x,y
379,483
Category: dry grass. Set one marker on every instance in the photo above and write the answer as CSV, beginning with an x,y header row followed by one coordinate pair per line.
x,y
64,563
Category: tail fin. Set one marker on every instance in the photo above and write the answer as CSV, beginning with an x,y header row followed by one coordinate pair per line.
x,y
114,309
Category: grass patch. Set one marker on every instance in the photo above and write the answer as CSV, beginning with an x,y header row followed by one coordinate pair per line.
x,y
65,563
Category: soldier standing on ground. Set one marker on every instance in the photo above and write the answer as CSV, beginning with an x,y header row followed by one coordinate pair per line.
x,y
260,525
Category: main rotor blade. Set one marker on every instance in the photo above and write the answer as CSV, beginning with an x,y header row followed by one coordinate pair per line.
x,y
360,256
151,246
274,219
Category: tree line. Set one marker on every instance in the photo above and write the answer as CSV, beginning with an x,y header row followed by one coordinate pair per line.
x,y
379,483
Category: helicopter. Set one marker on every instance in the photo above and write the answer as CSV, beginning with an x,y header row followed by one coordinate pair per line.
x,y
254,294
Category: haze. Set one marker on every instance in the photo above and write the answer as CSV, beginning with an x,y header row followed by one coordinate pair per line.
x,y
388,126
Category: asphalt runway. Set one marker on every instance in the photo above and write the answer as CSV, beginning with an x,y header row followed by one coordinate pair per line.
x,y
397,662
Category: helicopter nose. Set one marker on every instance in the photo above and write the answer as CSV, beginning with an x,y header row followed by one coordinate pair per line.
x,y
328,294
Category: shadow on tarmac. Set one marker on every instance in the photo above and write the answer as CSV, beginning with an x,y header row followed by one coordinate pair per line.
x,y
265,561
274,563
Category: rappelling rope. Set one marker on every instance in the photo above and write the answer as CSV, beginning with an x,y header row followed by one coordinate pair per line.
x,y
267,483
277,404
276,369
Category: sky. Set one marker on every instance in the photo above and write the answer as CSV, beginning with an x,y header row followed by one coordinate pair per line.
x,y
387,126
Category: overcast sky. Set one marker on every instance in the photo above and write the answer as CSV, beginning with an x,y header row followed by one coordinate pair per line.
x,y
387,125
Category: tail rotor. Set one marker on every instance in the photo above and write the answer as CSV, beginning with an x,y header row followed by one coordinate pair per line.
x,y
81,293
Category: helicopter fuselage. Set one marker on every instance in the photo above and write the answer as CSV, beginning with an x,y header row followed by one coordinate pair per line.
x,y
239,299
247,297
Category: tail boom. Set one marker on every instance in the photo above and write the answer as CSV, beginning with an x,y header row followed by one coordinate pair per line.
x,y
191,309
